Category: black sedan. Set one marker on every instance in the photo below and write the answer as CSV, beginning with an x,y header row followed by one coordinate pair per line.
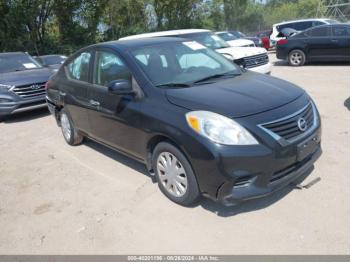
x,y
22,83
322,43
200,124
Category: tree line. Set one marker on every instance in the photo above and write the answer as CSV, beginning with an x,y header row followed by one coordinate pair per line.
x,y
63,26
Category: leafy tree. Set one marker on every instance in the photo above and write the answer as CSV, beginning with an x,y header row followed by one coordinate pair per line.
x,y
124,17
176,14
234,11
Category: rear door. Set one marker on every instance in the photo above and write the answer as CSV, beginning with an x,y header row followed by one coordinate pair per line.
x,y
113,118
74,89
341,42
319,43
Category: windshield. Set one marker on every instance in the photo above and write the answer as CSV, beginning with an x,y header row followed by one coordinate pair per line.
x,y
227,36
330,21
181,64
208,39
17,62
238,34
53,60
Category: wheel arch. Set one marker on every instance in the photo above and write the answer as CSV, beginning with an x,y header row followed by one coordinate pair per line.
x,y
301,49
154,141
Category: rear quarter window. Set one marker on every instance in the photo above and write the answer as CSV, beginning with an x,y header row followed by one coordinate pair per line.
x,y
78,69
322,31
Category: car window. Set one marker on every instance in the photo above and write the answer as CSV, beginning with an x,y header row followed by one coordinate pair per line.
x,y
289,25
78,69
227,36
109,67
339,31
317,23
322,31
208,39
196,60
181,62
301,26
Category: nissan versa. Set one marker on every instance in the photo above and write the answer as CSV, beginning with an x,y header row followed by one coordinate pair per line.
x,y
202,125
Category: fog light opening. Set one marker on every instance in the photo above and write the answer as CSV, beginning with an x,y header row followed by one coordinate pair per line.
x,y
243,181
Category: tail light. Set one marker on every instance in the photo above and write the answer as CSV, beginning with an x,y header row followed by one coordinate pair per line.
x,y
282,42
48,84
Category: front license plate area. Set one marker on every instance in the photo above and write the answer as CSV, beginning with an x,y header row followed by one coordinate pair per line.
x,y
307,148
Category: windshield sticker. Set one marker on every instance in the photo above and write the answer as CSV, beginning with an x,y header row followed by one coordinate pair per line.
x,y
194,45
29,65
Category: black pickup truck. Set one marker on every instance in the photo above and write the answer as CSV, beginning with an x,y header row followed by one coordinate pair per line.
x,y
22,83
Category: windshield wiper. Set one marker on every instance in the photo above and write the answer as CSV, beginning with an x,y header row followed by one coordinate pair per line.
x,y
174,85
215,76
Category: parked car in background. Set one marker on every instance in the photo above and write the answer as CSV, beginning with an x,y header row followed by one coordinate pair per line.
x,y
298,25
265,39
51,61
241,35
321,43
252,58
232,40
200,123
22,83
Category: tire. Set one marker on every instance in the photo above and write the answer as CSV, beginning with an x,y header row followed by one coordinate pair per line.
x,y
69,132
3,118
296,57
174,175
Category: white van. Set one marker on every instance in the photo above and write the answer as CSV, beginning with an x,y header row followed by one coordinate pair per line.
x,y
299,25
252,58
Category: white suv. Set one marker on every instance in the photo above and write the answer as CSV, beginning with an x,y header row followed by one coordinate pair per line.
x,y
299,25
251,58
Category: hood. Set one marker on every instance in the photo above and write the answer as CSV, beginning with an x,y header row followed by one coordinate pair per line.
x,y
240,42
26,77
248,94
240,52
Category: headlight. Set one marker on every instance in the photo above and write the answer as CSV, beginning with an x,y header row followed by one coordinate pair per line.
x,y
219,129
5,87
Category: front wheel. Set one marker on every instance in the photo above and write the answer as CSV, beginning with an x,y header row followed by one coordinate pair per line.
x,y
174,175
69,132
297,58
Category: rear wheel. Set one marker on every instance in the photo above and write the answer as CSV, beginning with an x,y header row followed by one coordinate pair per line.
x,y
297,58
69,132
174,175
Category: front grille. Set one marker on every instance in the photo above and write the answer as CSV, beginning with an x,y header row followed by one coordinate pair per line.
x,y
288,127
256,60
30,91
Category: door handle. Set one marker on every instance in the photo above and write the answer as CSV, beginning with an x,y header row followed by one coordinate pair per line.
x,y
94,102
334,40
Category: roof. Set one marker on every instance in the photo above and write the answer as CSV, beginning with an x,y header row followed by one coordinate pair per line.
x,y
165,33
12,53
302,20
51,55
141,42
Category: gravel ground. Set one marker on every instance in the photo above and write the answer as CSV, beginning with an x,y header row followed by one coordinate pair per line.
x,y
57,199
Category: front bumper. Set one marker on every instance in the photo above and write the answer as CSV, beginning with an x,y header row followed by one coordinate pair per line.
x,y
265,183
11,103
263,69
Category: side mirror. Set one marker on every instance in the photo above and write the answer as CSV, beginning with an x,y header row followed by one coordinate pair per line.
x,y
120,87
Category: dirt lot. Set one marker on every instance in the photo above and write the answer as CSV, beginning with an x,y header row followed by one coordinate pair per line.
x,y
57,199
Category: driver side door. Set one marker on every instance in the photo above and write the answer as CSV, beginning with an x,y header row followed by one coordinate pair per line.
x,y
113,117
